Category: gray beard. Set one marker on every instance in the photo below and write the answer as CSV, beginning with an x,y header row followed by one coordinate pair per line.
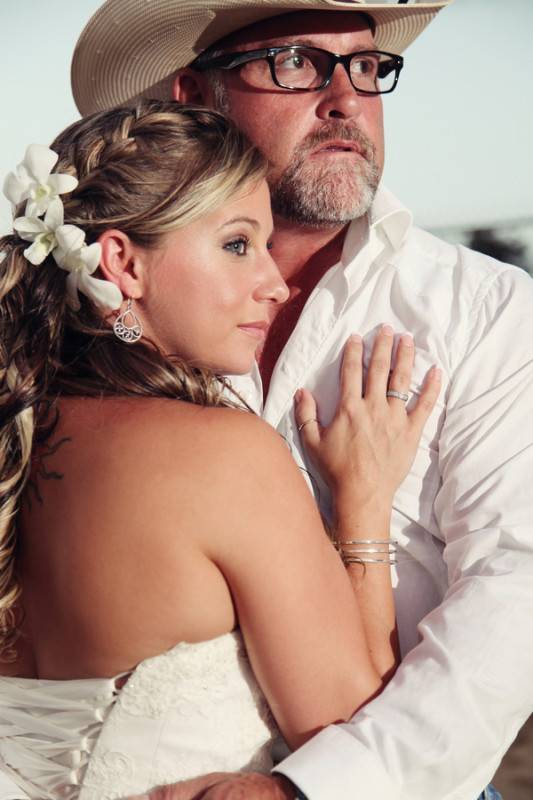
x,y
327,195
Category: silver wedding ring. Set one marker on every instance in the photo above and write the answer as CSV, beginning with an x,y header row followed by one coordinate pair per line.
x,y
307,421
399,395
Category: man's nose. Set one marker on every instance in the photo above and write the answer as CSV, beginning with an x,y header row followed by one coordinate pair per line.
x,y
339,99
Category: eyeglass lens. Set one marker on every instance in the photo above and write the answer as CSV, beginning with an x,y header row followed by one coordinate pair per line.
x,y
309,69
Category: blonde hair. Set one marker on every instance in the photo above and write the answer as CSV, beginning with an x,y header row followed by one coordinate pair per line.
x,y
146,170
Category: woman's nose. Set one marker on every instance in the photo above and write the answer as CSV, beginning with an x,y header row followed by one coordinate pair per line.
x,y
273,287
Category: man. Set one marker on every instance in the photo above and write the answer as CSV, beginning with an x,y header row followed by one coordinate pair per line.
x,y
352,259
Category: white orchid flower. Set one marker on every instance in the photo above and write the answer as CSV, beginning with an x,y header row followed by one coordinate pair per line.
x,y
79,259
41,232
33,182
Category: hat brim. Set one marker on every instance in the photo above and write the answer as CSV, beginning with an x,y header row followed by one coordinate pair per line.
x,y
132,48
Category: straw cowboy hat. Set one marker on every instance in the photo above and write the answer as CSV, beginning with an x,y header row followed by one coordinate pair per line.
x,y
132,48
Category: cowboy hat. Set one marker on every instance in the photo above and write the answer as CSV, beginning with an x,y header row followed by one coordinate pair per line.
x,y
132,48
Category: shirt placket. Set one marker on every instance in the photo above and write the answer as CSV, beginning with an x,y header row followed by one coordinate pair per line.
x,y
317,325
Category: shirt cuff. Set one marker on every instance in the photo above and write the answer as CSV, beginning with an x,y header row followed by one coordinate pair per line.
x,y
334,764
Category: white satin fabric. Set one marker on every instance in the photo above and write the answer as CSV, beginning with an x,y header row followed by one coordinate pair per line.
x,y
192,710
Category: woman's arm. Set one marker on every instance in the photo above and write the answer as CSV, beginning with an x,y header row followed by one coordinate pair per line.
x,y
319,650
294,604
364,455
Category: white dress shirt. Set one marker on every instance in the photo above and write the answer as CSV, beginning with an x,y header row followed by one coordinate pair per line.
x,y
463,518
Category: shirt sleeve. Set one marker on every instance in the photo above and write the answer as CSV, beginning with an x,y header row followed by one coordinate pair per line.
x,y
458,699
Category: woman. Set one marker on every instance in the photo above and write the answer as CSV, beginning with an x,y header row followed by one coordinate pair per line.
x,y
148,523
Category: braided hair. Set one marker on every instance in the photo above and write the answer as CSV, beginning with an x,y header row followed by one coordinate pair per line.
x,y
146,170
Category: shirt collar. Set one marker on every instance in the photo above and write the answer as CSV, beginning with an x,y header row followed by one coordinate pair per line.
x,y
387,217
391,217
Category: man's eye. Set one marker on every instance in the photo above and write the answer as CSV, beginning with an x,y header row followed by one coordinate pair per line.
x,y
238,246
294,62
364,66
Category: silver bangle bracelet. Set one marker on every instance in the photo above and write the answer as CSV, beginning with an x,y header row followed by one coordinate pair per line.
x,y
361,551
357,542
391,552
358,560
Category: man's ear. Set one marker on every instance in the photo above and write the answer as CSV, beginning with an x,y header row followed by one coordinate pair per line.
x,y
121,263
190,87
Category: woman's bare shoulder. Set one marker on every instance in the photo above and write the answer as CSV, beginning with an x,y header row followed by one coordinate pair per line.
x,y
149,417
178,440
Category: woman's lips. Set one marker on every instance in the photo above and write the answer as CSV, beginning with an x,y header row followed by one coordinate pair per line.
x,y
258,330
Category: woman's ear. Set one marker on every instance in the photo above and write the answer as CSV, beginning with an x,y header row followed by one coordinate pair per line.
x,y
190,87
121,263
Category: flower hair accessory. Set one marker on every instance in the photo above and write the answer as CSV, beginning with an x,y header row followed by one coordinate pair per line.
x,y
43,225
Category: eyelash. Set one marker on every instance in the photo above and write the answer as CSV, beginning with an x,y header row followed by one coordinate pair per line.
x,y
241,240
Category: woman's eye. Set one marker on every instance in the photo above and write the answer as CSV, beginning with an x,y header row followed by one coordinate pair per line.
x,y
270,244
238,246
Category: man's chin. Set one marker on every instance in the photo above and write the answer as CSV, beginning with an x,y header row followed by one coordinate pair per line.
x,y
330,202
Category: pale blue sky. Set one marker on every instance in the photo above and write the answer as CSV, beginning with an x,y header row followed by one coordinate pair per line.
x,y
458,126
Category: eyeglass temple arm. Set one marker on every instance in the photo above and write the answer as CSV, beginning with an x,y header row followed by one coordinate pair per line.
x,y
221,62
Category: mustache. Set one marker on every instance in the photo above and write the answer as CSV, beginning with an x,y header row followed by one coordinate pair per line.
x,y
337,130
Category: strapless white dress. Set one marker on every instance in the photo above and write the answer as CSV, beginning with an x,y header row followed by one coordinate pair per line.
x,y
194,709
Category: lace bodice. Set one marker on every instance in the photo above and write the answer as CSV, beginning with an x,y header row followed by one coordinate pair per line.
x,y
192,710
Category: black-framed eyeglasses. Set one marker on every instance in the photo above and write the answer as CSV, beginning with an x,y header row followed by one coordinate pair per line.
x,y
309,69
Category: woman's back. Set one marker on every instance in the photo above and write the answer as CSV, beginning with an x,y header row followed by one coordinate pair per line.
x,y
119,510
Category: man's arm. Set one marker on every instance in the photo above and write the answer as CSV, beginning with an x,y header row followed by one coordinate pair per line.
x,y
442,724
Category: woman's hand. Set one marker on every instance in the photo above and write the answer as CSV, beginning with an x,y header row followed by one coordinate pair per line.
x,y
367,450
364,454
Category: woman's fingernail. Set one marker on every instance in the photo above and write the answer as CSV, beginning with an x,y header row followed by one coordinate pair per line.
x,y
356,338
407,339
387,330
437,373
297,395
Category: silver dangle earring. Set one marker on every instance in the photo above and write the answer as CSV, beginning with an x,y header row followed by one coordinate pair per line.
x,y
127,326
